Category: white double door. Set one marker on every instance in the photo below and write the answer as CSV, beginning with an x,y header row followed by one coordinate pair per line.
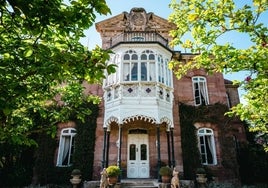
x,y
138,156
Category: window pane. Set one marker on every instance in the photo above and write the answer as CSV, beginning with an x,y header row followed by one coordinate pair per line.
x,y
134,57
209,150
132,152
203,158
71,152
207,146
201,140
143,152
151,57
65,149
208,131
143,57
143,71
126,57
152,71
200,91
201,131
134,72
126,71
73,131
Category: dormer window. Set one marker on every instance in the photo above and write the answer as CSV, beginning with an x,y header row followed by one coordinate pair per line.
x,y
200,90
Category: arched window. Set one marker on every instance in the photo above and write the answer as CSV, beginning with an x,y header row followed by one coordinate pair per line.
x,y
130,66
147,66
207,148
200,90
66,147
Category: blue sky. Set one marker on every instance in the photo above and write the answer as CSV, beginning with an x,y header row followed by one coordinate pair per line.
x,y
160,8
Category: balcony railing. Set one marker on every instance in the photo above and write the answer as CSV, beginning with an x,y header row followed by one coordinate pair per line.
x,y
141,36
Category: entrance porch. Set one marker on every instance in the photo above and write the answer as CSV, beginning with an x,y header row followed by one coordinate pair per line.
x,y
139,147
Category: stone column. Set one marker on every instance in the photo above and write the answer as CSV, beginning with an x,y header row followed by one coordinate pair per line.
x,y
168,147
158,152
172,147
104,147
107,148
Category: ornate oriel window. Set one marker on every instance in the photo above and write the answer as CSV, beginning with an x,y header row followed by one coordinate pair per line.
x,y
206,145
200,90
66,147
139,73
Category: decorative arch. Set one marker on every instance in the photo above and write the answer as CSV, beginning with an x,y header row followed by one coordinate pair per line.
x,y
110,120
139,117
167,121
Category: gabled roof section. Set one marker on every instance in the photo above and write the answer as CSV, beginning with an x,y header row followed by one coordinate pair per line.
x,y
136,20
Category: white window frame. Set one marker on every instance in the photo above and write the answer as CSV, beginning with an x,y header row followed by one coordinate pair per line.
x,y
200,91
128,65
150,64
206,145
66,147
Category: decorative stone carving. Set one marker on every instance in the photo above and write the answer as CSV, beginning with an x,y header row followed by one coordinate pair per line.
x,y
137,19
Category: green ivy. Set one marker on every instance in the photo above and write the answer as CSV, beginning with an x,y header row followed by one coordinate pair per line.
x,y
83,155
85,143
189,115
190,153
19,169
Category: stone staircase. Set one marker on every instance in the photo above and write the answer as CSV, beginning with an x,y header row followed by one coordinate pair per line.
x,y
139,183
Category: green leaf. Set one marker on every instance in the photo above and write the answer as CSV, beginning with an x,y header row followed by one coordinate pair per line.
x,y
28,53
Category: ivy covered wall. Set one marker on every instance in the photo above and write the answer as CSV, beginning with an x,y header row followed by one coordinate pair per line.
x,y
47,173
36,164
214,114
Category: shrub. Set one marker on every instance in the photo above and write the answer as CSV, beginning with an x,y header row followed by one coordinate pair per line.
x,y
200,171
165,171
113,170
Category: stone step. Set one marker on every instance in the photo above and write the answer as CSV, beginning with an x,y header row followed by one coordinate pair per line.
x,y
139,183
137,186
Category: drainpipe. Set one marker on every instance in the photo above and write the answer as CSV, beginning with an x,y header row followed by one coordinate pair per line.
x,y
168,147
172,147
158,153
104,147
